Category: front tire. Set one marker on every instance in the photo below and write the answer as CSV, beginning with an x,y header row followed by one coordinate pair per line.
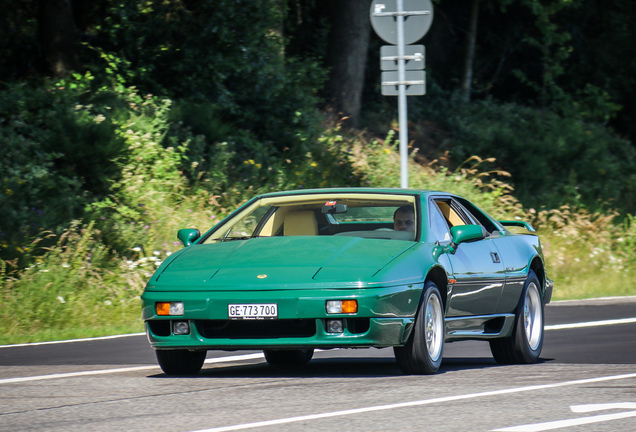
x,y
288,357
422,353
526,342
180,362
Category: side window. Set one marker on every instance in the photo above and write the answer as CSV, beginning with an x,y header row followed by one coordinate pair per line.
x,y
450,214
247,226
439,225
478,215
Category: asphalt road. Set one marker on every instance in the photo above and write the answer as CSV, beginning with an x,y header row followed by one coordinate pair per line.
x,y
586,381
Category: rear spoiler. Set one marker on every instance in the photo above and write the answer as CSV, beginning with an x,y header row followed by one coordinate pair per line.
x,y
517,223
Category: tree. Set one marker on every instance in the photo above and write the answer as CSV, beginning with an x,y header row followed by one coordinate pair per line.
x,y
347,55
58,35
471,42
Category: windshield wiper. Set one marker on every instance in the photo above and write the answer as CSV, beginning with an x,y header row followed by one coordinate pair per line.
x,y
229,238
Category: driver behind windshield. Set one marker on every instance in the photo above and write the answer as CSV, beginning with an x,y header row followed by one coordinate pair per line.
x,y
404,219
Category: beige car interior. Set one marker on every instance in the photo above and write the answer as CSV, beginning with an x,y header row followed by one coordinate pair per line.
x,y
299,223
451,216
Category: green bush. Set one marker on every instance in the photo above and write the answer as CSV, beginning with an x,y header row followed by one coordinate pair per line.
x,y
88,282
377,163
202,55
57,155
553,160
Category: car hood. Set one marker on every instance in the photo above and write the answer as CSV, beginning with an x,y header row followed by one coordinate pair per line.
x,y
279,263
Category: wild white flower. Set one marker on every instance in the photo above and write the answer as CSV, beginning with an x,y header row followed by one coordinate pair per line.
x,y
61,299
137,249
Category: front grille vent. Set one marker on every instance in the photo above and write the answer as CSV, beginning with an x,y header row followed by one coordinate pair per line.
x,y
159,327
256,329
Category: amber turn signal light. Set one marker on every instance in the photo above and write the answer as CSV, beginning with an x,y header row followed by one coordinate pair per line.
x,y
349,306
342,306
169,308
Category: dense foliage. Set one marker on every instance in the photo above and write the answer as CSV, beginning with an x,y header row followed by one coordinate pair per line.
x,y
174,112
553,159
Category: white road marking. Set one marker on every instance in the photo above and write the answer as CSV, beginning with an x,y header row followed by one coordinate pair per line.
x,y
446,399
560,424
72,340
121,370
591,324
74,374
603,406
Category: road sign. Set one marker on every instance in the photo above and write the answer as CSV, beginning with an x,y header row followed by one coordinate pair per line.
x,y
418,17
402,22
414,83
413,57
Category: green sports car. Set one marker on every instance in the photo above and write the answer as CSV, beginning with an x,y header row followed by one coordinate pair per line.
x,y
290,272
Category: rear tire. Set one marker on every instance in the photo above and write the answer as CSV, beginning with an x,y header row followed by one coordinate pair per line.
x,y
422,353
288,357
180,362
526,342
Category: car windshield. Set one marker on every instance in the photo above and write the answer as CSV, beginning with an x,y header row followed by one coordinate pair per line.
x,y
344,214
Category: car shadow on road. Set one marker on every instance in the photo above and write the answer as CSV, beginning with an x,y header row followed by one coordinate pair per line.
x,y
341,367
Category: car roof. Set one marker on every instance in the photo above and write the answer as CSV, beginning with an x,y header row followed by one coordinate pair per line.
x,y
357,190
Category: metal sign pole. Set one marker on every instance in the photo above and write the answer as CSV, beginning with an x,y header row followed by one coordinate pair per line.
x,y
402,114
389,20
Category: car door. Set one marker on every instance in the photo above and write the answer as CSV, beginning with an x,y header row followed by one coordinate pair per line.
x,y
513,253
477,268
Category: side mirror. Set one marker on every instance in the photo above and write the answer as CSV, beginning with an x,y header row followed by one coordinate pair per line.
x,y
465,233
188,236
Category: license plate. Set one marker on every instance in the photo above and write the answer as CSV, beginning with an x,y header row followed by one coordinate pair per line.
x,y
253,311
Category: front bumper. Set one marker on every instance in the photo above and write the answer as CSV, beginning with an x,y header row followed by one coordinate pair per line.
x,y
385,317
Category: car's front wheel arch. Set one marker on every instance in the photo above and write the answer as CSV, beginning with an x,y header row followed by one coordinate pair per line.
x,y
439,277
537,267
525,344
423,351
